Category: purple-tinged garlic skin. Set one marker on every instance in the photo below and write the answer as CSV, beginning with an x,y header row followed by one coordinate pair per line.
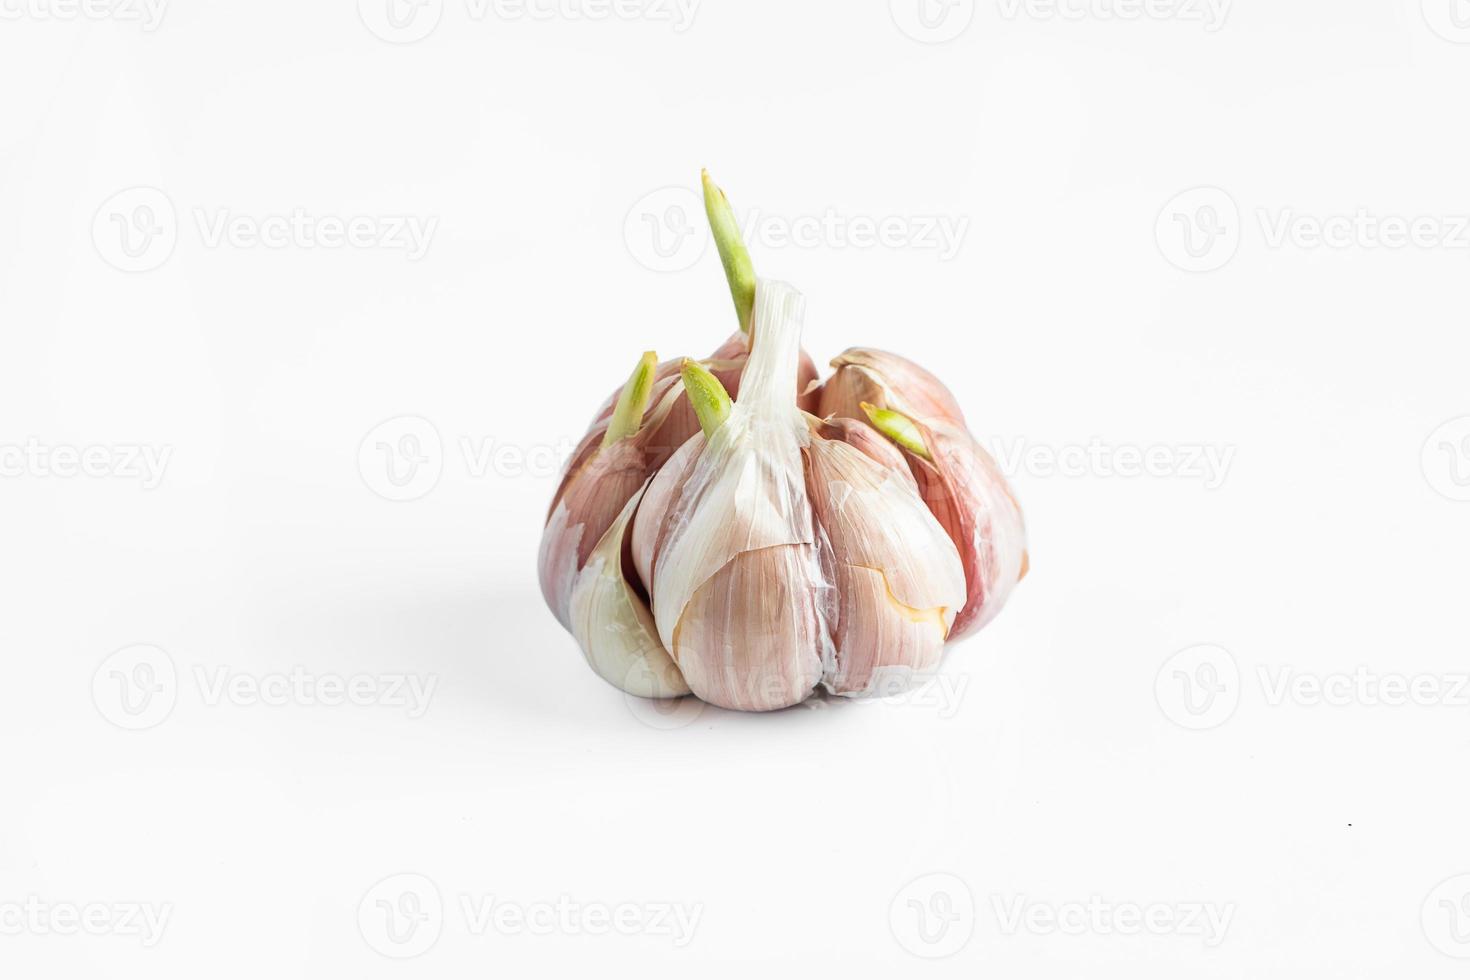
x,y
966,491
599,481
863,374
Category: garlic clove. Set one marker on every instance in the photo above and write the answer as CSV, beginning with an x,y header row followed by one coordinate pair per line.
x,y
610,465
750,638
653,512
969,496
583,514
737,583
612,624
888,381
898,576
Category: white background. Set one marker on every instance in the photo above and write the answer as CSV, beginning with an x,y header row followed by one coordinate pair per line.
x,y
1070,753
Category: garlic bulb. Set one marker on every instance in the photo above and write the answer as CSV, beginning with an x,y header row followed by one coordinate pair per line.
x,y
713,536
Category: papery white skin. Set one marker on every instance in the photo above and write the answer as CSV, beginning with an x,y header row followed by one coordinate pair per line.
x,y
613,626
653,513
737,586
